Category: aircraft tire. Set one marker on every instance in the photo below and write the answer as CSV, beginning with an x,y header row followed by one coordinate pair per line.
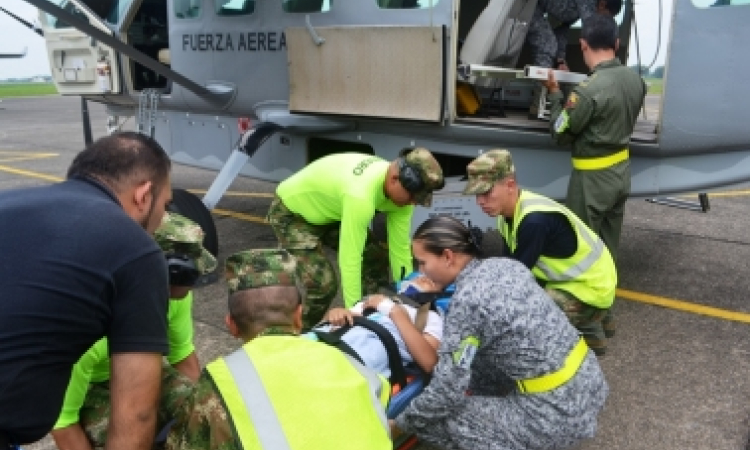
x,y
190,206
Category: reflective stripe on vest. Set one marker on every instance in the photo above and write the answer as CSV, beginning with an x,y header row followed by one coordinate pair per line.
x,y
601,162
574,271
589,274
379,386
256,389
554,380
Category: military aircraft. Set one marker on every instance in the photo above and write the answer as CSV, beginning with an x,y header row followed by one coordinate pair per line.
x,y
263,87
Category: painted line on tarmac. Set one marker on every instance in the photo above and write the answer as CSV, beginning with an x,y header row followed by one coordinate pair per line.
x,y
729,194
237,194
680,305
29,157
29,174
239,215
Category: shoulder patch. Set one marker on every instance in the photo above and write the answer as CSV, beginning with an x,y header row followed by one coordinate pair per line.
x,y
561,124
464,356
572,101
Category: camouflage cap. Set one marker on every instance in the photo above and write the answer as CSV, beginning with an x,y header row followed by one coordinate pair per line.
x,y
257,268
178,234
485,170
429,171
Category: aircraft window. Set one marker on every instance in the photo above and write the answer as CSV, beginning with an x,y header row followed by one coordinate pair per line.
x,y
69,7
234,7
306,6
712,3
406,4
187,9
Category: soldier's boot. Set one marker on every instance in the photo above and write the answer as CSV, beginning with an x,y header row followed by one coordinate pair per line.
x,y
593,334
597,345
608,323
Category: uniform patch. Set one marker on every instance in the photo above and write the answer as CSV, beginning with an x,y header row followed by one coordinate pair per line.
x,y
561,124
464,356
572,101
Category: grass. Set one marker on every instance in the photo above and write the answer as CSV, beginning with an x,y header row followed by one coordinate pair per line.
x,y
26,89
654,85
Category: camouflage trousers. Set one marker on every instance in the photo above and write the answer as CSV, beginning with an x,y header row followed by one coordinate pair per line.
x,y
306,241
586,318
176,388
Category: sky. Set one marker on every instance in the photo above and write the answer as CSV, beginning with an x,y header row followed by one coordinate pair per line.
x,y
14,37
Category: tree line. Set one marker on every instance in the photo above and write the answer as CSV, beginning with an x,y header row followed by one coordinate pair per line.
x,y
657,72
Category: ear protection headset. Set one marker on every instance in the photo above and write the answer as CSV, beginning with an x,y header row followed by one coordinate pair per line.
x,y
182,270
408,176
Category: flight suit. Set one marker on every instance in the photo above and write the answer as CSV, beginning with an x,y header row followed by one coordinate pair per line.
x,y
597,120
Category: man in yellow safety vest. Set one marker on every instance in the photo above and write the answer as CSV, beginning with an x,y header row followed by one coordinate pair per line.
x,y
279,391
567,258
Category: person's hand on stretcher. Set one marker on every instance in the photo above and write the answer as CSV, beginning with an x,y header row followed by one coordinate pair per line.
x,y
342,316
422,346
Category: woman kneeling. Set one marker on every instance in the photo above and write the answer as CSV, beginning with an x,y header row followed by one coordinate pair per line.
x,y
513,373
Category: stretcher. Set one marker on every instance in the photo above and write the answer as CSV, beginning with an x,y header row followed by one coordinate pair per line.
x,y
416,379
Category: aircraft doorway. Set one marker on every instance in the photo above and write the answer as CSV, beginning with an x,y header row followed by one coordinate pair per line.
x,y
484,38
148,33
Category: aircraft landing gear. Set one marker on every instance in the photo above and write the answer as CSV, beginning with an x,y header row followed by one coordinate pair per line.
x,y
702,204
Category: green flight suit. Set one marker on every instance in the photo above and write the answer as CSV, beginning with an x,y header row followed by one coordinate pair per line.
x,y
598,119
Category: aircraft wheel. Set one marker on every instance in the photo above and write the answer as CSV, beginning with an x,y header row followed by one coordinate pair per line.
x,y
190,206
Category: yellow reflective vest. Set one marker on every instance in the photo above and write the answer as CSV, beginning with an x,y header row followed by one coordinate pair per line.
x,y
589,274
288,393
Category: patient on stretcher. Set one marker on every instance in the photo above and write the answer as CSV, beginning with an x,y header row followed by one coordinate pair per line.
x,y
415,346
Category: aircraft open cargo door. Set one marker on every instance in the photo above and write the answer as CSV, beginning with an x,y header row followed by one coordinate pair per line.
x,y
391,72
74,56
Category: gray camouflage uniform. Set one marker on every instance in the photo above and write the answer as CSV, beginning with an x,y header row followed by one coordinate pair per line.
x,y
472,403
548,35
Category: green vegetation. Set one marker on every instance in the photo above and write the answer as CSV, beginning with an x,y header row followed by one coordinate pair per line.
x,y
26,89
654,85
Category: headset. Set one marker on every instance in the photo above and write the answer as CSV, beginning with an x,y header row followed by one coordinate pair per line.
x,y
408,176
182,270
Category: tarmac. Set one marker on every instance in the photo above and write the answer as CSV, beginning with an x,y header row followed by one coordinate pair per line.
x,y
677,368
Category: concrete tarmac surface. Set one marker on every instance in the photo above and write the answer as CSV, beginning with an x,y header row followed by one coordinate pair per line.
x,y
678,368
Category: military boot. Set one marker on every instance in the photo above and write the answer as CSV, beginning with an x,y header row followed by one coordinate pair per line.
x,y
608,323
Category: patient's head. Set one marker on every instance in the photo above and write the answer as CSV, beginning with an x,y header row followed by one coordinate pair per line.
x,y
265,291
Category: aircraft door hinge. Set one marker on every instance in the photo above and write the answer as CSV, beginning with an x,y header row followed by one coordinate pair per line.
x,y
147,105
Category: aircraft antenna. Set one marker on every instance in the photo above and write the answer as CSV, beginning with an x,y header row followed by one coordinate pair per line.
x,y
658,38
638,55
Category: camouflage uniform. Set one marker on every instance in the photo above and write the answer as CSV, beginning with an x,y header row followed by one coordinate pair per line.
x,y
501,328
204,423
304,229
176,234
496,165
548,31
176,389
